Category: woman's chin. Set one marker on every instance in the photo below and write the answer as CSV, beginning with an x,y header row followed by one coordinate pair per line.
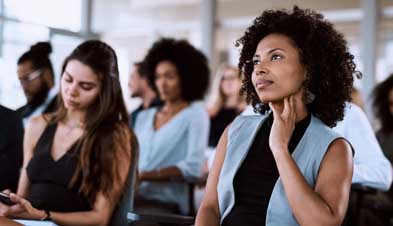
x,y
266,100
71,107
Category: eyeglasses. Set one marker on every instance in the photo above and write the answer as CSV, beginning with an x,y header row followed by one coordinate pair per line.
x,y
30,77
229,78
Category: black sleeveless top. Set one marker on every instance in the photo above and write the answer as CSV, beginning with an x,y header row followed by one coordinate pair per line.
x,y
219,122
254,181
49,180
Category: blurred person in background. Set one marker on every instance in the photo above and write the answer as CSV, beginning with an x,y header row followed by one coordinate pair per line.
x,y
172,137
371,167
383,107
373,158
36,75
11,148
76,160
225,101
139,86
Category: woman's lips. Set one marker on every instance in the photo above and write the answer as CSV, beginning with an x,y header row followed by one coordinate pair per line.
x,y
262,83
72,103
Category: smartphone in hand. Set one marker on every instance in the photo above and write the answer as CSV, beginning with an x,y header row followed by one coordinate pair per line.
x,y
5,199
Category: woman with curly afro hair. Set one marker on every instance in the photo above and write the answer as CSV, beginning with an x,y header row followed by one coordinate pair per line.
x,y
383,108
172,137
285,166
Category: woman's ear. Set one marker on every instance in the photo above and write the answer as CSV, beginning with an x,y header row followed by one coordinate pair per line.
x,y
48,77
307,95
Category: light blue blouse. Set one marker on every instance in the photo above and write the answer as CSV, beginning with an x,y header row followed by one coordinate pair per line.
x,y
180,142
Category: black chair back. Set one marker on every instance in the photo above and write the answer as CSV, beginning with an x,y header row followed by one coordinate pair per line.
x,y
119,217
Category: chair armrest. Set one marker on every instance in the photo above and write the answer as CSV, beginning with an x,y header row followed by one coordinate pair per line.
x,y
363,189
191,180
197,181
159,219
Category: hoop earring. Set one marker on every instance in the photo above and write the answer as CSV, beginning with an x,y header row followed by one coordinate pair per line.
x,y
309,97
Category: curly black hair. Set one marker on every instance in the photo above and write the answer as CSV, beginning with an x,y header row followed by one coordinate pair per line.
x,y
191,64
323,51
381,104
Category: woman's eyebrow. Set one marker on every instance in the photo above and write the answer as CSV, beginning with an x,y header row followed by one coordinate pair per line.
x,y
274,49
67,73
81,82
270,51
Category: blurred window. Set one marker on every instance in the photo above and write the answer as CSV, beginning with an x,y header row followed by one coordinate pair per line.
x,y
25,22
64,14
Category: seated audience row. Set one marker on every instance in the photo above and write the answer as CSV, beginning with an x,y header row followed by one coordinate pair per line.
x,y
306,143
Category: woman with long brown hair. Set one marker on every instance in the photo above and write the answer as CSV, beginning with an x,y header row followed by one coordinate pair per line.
x,y
76,161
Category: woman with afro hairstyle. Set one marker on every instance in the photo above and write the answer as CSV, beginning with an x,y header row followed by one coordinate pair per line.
x,y
172,137
285,166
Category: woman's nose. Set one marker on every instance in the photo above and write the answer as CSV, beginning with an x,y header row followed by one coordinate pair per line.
x,y
73,91
261,70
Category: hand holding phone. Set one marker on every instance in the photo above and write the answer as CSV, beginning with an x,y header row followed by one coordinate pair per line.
x,y
5,199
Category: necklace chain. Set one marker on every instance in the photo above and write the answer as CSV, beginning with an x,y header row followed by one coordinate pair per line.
x,y
73,127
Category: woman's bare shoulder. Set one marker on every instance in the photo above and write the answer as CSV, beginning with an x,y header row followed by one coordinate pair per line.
x,y
35,128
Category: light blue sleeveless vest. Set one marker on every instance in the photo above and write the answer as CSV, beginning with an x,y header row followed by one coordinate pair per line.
x,y
308,155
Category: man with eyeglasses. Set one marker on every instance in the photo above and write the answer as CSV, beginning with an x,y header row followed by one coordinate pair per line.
x,y
35,73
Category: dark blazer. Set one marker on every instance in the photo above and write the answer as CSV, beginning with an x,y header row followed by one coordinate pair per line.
x,y
11,148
